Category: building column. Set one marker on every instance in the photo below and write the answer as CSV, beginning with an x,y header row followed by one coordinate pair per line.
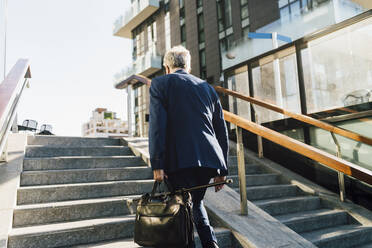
x,y
129,111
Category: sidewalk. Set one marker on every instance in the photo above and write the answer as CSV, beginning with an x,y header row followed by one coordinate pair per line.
x,y
9,183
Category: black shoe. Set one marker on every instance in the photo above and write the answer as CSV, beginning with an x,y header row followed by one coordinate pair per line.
x,y
211,245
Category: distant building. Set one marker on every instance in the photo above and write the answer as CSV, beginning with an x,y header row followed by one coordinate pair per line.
x,y
104,123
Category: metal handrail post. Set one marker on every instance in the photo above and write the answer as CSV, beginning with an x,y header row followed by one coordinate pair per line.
x,y
241,172
341,176
259,139
4,153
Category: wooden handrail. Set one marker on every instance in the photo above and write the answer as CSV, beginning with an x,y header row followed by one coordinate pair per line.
x,y
313,153
300,117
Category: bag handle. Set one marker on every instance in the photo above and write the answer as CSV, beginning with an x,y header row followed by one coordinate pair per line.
x,y
157,184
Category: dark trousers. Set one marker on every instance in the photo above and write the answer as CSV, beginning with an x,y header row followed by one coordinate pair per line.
x,y
192,177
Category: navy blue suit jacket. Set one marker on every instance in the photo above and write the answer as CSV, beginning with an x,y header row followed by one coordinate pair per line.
x,y
187,128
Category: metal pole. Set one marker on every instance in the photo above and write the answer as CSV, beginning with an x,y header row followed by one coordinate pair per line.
x,y
341,176
15,126
277,80
4,153
241,172
259,139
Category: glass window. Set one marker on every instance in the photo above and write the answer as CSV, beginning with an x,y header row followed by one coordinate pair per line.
x,y
229,41
282,3
183,33
352,151
244,11
228,15
224,14
295,7
203,74
245,31
276,82
200,22
222,45
201,37
220,25
182,3
203,64
201,28
226,43
239,82
289,7
134,53
182,13
338,68
202,58
183,26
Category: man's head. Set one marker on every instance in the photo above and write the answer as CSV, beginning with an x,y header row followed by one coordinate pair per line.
x,y
177,58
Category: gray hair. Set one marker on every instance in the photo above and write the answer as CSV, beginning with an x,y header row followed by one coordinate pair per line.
x,y
177,57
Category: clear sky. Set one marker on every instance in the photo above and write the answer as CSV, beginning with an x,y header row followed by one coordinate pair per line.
x,y
73,58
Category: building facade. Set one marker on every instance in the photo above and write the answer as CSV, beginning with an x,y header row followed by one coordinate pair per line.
x,y
104,123
217,33
3,19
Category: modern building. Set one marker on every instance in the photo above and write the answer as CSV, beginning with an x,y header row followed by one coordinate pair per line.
x,y
104,123
218,35
3,19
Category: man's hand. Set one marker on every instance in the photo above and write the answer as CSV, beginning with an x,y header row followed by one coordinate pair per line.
x,y
159,175
218,180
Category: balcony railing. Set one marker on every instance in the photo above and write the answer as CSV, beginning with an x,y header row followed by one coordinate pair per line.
x,y
294,25
140,10
145,65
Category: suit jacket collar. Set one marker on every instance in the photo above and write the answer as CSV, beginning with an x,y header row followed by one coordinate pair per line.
x,y
181,71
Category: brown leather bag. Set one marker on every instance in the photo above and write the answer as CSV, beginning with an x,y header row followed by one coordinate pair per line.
x,y
164,219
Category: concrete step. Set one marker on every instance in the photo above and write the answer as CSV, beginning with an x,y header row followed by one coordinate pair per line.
x,y
81,162
233,160
48,213
279,206
249,169
66,192
72,233
71,141
340,236
256,180
49,151
48,177
271,191
314,220
224,237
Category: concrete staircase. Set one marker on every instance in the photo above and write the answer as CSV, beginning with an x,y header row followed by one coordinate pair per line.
x,y
304,213
76,192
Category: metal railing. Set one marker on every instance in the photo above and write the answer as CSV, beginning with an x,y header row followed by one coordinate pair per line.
x,y
335,162
11,90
